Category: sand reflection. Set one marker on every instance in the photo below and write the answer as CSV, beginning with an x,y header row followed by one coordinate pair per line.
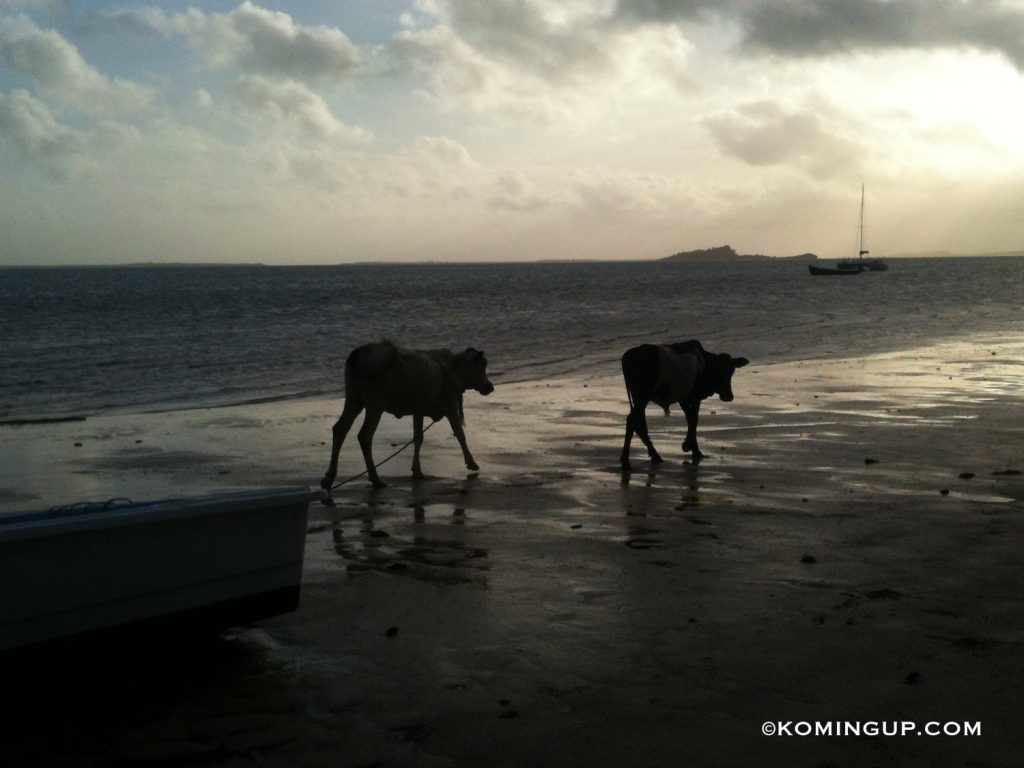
x,y
431,544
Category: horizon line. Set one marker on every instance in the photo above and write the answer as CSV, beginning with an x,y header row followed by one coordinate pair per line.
x,y
381,262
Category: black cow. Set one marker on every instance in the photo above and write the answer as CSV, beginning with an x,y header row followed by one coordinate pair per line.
x,y
683,373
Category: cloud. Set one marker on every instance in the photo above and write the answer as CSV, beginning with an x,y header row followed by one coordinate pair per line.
x,y
827,27
292,103
814,27
543,59
30,124
456,69
765,133
254,40
547,40
669,11
606,195
59,69
515,193
443,149
51,5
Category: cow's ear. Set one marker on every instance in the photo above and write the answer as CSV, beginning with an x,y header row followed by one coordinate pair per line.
x,y
739,362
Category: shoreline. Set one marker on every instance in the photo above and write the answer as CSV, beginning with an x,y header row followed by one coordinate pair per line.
x,y
225,447
592,366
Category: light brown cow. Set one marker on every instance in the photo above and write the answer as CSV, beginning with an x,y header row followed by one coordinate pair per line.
x,y
382,377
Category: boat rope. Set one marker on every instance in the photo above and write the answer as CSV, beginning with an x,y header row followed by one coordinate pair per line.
x,y
384,461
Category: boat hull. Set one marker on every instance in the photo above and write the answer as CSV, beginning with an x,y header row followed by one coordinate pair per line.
x,y
210,562
864,265
830,271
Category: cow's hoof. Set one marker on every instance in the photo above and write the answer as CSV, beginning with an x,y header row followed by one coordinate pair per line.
x,y
472,466
327,501
418,475
379,484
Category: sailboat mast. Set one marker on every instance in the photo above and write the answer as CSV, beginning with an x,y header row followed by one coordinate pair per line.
x,y
860,227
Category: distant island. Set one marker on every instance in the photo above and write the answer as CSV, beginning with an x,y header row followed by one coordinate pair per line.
x,y
728,253
148,264
137,265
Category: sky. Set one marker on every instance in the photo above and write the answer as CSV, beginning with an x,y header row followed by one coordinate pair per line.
x,y
319,132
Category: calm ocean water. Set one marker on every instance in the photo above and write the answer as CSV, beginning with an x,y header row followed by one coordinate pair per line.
x,y
78,341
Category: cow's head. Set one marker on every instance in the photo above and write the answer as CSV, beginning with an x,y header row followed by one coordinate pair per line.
x,y
472,366
722,370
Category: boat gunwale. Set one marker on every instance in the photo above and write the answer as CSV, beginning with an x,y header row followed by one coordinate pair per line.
x,y
48,523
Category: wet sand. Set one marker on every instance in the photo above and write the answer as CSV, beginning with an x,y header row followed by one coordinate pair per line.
x,y
849,550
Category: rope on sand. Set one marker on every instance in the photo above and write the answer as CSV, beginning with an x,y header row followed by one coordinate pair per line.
x,y
381,463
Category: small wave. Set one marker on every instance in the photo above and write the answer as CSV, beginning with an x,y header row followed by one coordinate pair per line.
x,y
40,420
194,405
538,364
275,398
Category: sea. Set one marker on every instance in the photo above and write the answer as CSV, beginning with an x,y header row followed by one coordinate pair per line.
x,y
79,341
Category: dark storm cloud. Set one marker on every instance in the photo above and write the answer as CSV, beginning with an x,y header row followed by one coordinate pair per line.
x,y
823,27
674,10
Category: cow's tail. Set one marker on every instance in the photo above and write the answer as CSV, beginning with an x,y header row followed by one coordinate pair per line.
x,y
625,379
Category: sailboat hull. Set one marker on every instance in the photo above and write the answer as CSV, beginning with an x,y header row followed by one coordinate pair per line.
x,y
829,271
869,265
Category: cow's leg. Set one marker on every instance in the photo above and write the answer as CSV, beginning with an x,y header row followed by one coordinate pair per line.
x,y
692,411
455,419
629,439
641,430
417,441
353,405
640,370
366,443
636,422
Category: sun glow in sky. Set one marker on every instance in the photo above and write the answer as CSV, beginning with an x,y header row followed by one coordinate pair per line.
x,y
405,130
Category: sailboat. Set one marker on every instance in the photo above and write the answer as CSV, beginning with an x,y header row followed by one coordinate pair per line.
x,y
856,265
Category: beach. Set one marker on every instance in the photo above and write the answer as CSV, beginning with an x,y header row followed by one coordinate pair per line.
x,y
847,552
